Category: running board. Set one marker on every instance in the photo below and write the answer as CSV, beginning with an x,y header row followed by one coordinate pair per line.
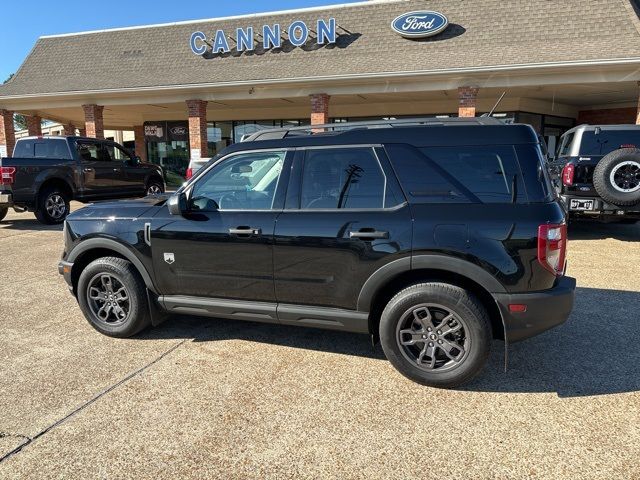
x,y
303,315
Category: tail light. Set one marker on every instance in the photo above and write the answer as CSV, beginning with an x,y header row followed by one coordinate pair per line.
x,y
8,175
568,172
189,173
552,247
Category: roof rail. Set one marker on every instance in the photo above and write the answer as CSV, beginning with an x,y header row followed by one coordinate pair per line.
x,y
339,127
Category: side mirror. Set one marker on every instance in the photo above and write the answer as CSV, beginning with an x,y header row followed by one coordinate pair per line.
x,y
177,204
136,159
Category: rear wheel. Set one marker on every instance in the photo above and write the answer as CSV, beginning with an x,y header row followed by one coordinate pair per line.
x,y
112,297
436,334
3,212
53,205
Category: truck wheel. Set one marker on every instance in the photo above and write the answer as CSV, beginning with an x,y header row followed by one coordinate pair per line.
x,y
53,206
112,297
155,187
436,334
616,178
3,212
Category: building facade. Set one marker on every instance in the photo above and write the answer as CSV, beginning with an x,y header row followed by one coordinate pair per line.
x,y
189,89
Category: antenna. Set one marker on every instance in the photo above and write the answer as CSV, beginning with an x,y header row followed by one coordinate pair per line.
x,y
495,106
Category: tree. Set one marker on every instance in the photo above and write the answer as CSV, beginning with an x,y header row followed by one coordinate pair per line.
x,y
19,122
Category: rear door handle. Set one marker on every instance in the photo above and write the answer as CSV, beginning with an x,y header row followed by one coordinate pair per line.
x,y
368,234
246,231
87,170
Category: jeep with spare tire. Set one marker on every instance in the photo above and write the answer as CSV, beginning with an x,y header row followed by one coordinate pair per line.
x,y
434,236
597,172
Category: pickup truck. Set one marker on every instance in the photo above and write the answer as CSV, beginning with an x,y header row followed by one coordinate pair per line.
x,y
46,173
597,172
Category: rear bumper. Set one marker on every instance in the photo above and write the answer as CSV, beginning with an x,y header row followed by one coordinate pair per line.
x,y
545,310
601,208
6,200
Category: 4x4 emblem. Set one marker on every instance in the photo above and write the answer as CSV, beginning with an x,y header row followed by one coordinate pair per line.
x,y
169,258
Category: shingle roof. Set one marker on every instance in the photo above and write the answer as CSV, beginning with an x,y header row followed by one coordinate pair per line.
x,y
481,33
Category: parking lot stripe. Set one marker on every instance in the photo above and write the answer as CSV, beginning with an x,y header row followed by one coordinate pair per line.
x,y
29,440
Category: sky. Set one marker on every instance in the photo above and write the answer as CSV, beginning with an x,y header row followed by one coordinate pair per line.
x,y
22,26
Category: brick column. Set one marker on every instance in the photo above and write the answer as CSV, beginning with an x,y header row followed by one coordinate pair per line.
x,y
467,97
34,125
319,108
93,121
7,132
69,130
141,144
198,128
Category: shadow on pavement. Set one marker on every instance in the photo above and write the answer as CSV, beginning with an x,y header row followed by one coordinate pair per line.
x,y
28,224
595,353
590,230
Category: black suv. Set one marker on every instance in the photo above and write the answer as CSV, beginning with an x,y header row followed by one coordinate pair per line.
x,y
46,173
434,236
597,172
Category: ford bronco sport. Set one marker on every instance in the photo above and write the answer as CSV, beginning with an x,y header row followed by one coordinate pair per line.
x,y
435,236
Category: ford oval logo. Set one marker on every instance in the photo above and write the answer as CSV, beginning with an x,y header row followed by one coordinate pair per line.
x,y
420,24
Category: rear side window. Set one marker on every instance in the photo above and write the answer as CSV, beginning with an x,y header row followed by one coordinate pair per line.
x,y
466,174
344,178
607,141
42,148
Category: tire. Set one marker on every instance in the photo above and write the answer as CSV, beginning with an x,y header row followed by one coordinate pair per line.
x,y
53,205
3,212
616,178
154,187
404,320
121,318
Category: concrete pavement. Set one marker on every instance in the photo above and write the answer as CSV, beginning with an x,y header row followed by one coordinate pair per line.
x,y
202,398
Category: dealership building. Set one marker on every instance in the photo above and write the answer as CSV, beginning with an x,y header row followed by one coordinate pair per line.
x,y
188,89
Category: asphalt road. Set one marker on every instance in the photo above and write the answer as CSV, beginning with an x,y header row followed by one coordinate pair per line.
x,y
203,398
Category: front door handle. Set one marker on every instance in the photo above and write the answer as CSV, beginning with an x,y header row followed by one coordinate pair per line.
x,y
87,170
246,231
368,234
117,169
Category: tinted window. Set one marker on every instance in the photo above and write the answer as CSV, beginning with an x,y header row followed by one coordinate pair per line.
x,y
491,173
88,152
23,149
243,182
477,174
337,178
116,153
535,173
607,141
565,144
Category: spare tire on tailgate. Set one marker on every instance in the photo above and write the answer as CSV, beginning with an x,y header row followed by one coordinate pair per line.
x,y
616,178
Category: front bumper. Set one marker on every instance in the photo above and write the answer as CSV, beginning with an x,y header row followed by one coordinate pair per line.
x,y
6,200
64,269
545,310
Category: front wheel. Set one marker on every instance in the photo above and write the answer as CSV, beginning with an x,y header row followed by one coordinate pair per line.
x,y
53,206
154,187
3,212
112,297
436,334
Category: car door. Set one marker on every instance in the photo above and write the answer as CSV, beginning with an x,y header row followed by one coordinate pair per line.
x,y
97,169
131,175
223,246
345,217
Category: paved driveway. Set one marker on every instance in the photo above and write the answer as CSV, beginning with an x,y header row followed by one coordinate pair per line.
x,y
202,398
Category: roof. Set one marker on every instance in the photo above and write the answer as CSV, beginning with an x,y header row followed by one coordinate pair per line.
x,y
481,34
432,135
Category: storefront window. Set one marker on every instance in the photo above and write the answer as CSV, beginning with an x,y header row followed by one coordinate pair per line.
x,y
173,157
